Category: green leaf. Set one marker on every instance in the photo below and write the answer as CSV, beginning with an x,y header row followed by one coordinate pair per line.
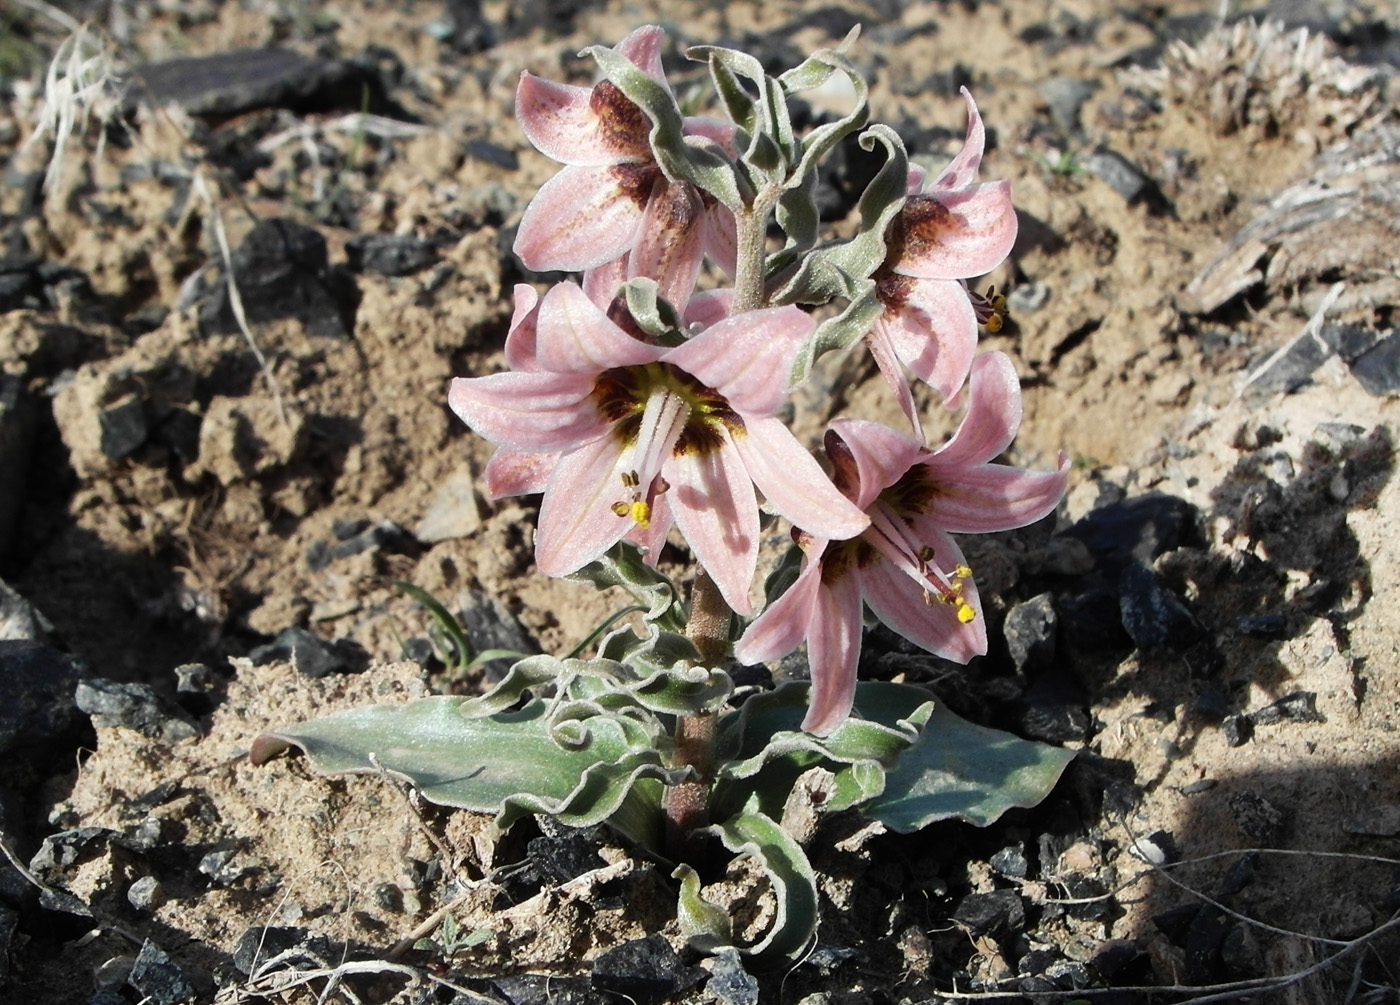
x,y
653,314
705,925
510,763
793,882
737,101
958,770
622,565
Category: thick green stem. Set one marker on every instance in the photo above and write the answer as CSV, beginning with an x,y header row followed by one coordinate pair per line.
x,y
688,804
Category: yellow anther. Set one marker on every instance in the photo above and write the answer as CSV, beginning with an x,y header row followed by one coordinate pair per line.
x,y
641,512
963,572
965,612
621,508
993,324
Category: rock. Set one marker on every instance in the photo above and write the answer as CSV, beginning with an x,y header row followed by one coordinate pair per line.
x,y
389,254
471,32
296,947
1239,875
226,866
19,619
1239,729
1125,178
1053,709
37,712
1030,633
132,706
1011,861
561,857
1035,962
283,271
730,983
1069,975
1090,621
1065,96
1264,626
309,653
1027,298
493,154
226,84
1375,821
997,914
195,685
453,513
157,980
1300,706
1203,939
644,970
1140,529
242,438
1152,615
1378,368
146,894
1259,820
490,625
17,426
20,285
542,989
1158,848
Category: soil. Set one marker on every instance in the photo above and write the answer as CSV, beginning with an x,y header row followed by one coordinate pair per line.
x,y
1152,315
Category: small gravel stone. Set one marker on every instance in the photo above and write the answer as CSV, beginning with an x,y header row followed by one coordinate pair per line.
x,y
146,894
645,970
132,706
1030,632
1238,729
157,979
729,982
1153,615
260,943
1000,912
1378,368
1027,298
1011,861
1264,626
389,254
1258,819
1300,706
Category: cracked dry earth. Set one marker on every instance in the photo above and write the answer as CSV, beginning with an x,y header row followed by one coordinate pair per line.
x,y
1203,313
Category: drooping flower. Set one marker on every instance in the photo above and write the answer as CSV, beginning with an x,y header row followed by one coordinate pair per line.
x,y
611,205
950,229
905,566
624,437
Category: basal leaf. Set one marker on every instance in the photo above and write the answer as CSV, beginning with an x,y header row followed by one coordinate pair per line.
x,y
793,881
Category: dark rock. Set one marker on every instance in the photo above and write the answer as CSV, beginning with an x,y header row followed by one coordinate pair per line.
x,y
1011,861
195,687
157,979
490,625
282,270
1036,961
1258,819
9,927
1240,953
1198,786
18,419
20,285
1264,626
37,712
21,621
1030,633
132,706
1069,975
296,946
730,983
226,84
1115,956
1239,875
226,866
1203,938
1090,621
1300,706
1054,710
565,856
645,970
389,254
998,913
1212,704
1239,729
146,894
310,654
1140,529
1125,178
1152,614
470,31
542,989
1378,368
1348,341
1176,922
60,854
491,153
123,427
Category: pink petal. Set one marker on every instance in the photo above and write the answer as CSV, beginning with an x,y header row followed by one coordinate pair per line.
x,y
794,483
879,340
784,623
718,131
714,506
583,217
517,473
935,334
833,652
577,523
520,341
652,538
917,176
896,600
882,455
643,47
560,120
707,308
721,238
957,234
669,248
987,498
576,337
528,411
748,357
993,414
962,169
601,282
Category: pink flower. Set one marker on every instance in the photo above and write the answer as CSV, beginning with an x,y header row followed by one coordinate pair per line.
x,y
611,199
950,229
624,437
904,566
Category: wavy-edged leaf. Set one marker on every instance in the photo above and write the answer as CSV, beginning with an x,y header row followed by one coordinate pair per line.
x,y
652,312
622,565
962,771
705,925
509,763
793,882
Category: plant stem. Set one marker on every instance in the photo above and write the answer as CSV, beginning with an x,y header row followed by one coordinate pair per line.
x,y
751,231
688,804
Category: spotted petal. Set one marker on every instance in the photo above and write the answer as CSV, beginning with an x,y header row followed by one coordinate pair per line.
x,y
987,498
958,234
582,217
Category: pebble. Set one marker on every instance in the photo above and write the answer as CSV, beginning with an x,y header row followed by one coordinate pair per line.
x,y
309,653
1300,706
157,979
261,943
645,970
730,983
1264,626
1065,96
1153,616
491,625
19,619
1238,729
1123,176
389,254
241,80
1378,368
1258,819
146,894
453,513
998,913
1027,298
132,706
1011,861
1030,633
1053,709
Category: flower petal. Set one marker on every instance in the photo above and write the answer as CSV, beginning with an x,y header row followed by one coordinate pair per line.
x,y
958,234
880,341
713,502
575,336
707,308
652,538
987,498
993,414
518,472
722,238
897,601
935,333
577,523
559,119
882,455
528,411
583,217
784,623
601,282
669,244
748,357
962,169
520,341
794,483
643,47
833,652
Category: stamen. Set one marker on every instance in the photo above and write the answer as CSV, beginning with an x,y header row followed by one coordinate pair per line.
x,y
990,309
664,418
890,536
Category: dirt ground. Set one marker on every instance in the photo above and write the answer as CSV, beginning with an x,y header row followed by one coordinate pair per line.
x,y
1152,313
